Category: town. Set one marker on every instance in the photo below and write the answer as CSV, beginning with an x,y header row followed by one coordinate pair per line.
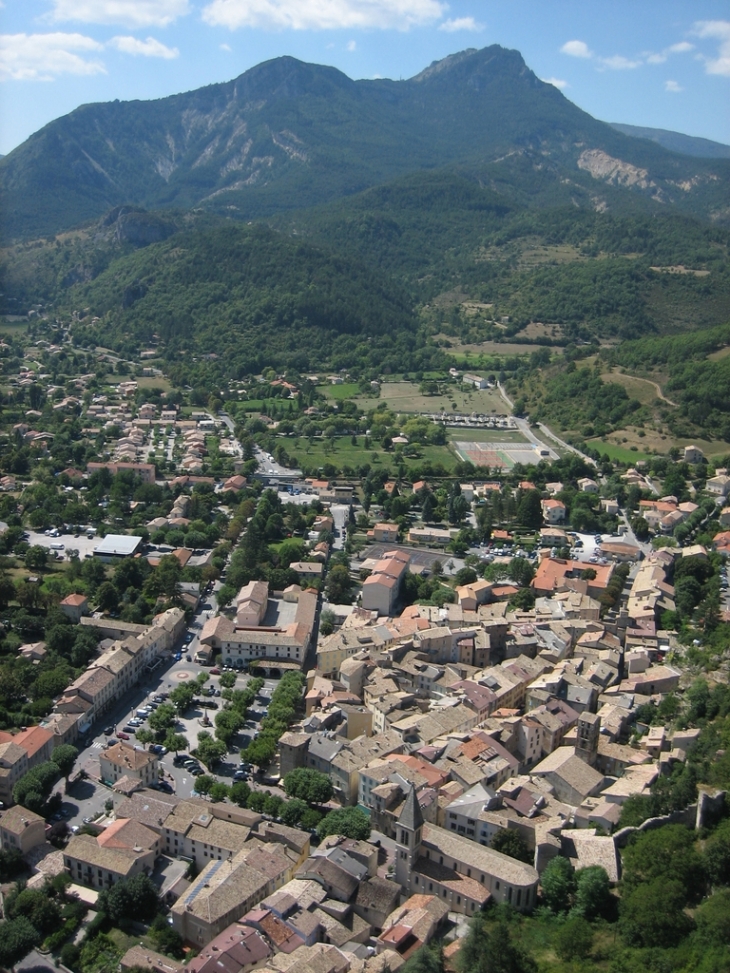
x,y
295,680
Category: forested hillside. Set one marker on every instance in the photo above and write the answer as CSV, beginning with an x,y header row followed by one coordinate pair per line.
x,y
243,298
594,275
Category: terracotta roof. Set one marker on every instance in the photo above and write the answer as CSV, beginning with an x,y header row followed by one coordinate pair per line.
x,y
75,600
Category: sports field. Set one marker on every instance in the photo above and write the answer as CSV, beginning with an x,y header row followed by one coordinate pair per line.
x,y
502,455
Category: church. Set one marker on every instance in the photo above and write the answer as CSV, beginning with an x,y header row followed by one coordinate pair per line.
x,y
464,875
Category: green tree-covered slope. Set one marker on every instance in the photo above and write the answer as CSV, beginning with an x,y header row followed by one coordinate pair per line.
x,y
232,300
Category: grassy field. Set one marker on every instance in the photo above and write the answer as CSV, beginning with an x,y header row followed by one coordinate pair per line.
x,y
13,327
487,435
152,382
405,397
644,390
343,453
485,349
658,442
348,390
620,454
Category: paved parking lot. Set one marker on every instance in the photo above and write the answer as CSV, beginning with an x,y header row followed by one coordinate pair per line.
x,y
420,556
82,543
87,798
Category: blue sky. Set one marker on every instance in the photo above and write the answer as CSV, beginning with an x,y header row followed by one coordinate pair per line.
x,y
661,63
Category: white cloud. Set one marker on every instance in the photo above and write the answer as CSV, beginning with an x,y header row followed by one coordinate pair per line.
x,y
129,13
148,48
225,47
323,14
461,23
576,49
351,46
681,48
556,82
719,30
43,57
672,86
619,63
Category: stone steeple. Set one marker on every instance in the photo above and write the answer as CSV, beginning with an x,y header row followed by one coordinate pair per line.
x,y
408,838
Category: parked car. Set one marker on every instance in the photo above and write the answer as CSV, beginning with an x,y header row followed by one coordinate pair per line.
x,y
123,736
108,730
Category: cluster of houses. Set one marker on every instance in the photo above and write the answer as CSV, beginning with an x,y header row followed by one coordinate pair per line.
x,y
128,654
447,726
125,658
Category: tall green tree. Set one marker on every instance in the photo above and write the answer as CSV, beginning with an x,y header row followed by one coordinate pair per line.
x,y
131,898
511,843
558,884
64,757
17,938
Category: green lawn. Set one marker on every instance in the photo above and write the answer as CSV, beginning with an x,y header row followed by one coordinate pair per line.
x,y
250,405
487,435
343,453
618,453
13,327
347,390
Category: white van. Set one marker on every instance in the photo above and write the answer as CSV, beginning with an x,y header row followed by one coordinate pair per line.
x,y
57,547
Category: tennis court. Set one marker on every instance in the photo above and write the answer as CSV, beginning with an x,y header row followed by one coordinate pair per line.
x,y
503,455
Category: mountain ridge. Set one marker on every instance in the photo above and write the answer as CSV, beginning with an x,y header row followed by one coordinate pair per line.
x,y
287,134
692,145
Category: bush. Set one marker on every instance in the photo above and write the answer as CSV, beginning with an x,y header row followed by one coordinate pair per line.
x,y
713,919
574,940
71,956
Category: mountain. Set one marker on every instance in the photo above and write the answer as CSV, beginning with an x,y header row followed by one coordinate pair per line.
x,y
288,134
676,142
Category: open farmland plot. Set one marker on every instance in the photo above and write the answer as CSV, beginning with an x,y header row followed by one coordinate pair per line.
x,y
405,397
